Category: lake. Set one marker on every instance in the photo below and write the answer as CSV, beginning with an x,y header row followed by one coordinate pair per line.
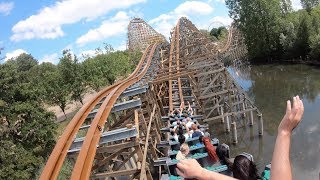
x,y
270,86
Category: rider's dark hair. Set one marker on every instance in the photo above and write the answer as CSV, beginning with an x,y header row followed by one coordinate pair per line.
x,y
244,169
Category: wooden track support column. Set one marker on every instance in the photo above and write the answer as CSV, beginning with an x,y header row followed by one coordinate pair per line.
x,y
227,124
144,174
260,124
234,133
251,118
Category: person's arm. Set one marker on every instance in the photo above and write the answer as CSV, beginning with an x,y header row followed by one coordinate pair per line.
x,y
190,109
189,106
187,129
185,125
181,106
280,164
190,168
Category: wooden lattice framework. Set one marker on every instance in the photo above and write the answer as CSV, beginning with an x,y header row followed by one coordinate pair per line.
x,y
141,34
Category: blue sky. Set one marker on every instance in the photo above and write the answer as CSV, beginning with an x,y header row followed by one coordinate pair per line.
x,y
44,28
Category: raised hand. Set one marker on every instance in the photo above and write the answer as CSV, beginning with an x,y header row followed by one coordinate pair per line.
x,y
292,117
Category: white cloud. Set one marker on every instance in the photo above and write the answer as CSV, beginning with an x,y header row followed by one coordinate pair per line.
x,y
220,21
221,1
52,58
296,4
111,27
47,24
122,46
14,54
6,7
69,46
88,53
193,8
165,22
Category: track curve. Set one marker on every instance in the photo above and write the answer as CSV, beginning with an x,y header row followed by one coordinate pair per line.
x,y
84,161
59,153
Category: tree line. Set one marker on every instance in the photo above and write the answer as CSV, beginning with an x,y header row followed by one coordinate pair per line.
x,y
273,31
27,129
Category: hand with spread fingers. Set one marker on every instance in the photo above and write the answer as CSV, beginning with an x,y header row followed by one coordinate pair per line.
x,y
281,166
292,117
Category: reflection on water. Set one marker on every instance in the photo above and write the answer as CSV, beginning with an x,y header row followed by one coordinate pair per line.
x,y
270,86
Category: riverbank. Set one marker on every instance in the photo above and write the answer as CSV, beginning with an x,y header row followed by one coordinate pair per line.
x,y
286,62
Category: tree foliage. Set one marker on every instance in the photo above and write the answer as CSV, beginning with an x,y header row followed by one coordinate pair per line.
x,y
104,69
309,4
219,33
272,30
27,129
258,20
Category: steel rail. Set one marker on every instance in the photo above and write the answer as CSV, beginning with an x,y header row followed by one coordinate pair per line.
x,y
83,165
59,153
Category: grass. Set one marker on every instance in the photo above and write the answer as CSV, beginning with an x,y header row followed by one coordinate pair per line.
x,y
62,126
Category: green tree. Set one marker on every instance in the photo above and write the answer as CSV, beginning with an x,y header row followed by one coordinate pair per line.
x,y
78,87
104,69
286,6
38,74
27,130
309,4
315,47
94,72
220,33
314,39
57,90
259,22
302,46
72,74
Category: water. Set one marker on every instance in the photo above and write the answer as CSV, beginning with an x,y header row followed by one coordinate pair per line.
x,y
270,86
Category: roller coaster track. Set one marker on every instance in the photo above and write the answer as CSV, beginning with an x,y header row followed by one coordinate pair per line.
x,y
84,162
108,149
111,93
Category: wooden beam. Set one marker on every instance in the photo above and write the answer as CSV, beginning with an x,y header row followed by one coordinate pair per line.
x,y
115,168
116,147
210,85
124,118
143,166
210,72
136,121
172,77
127,172
217,94
107,159
229,114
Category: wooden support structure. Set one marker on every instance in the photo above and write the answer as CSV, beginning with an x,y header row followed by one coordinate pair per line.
x,y
260,124
234,133
191,69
